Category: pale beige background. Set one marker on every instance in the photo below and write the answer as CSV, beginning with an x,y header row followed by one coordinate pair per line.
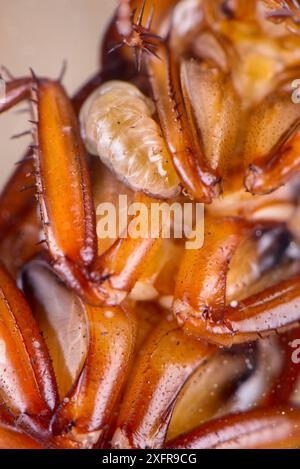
x,y
40,34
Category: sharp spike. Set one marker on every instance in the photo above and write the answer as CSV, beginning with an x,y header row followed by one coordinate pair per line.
x,y
141,13
28,158
27,188
33,122
21,134
43,241
151,36
34,76
151,52
138,58
149,45
116,47
63,71
150,19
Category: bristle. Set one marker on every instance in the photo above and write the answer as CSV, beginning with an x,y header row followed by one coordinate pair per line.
x,y
43,241
151,52
151,36
28,188
28,158
21,134
116,47
150,19
138,58
228,325
141,14
33,147
33,74
140,39
63,71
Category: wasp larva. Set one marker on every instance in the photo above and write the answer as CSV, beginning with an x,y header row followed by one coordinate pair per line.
x,y
117,125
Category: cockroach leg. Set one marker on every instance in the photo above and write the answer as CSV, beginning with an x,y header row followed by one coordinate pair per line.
x,y
273,171
14,203
28,386
273,310
285,385
167,360
257,429
199,180
85,413
200,295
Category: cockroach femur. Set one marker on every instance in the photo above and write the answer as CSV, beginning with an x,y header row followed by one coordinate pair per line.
x,y
144,342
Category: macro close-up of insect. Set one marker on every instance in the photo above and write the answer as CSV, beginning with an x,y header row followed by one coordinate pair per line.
x,y
153,341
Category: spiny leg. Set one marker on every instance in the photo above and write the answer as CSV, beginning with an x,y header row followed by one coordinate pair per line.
x,y
17,200
135,23
196,176
62,180
66,202
200,180
62,177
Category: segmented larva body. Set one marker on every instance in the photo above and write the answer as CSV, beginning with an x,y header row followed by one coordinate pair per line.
x,y
117,125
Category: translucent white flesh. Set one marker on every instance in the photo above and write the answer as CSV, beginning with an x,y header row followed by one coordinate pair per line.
x,y
117,125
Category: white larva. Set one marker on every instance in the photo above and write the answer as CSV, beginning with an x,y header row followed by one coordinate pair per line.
x,y
117,125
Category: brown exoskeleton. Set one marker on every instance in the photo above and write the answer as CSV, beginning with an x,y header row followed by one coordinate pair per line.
x,y
201,112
